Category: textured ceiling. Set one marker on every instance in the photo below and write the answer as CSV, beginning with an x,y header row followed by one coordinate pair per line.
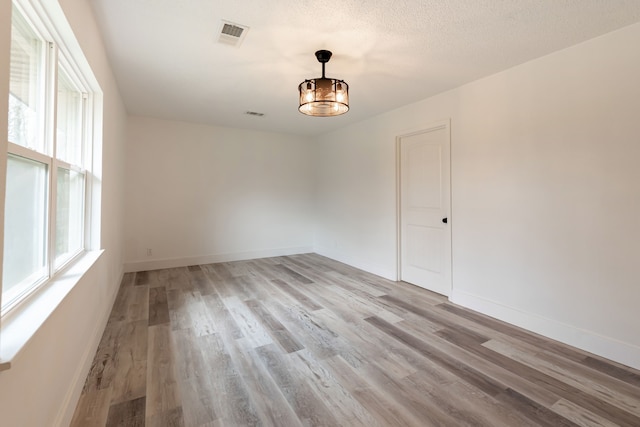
x,y
169,63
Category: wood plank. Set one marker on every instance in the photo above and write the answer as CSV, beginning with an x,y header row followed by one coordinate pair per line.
x,y
296,294
361,306
462,402
579,415
130,379
170,418
231,400
192,375
268,399
179,316
162,388
622,373
533,410
327,385
93,408
222,319
277,330
307,405
121,305
252,330
402,395
366,338
176,278
105,363
130,413
158,307
292,274
221,270
201,320
142,278
200,280
138,304
435,318
314,334
158,278
379,403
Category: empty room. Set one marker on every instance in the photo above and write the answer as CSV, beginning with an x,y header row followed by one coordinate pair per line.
x,y
340,213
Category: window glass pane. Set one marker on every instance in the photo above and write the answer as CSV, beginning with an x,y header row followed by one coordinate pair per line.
x,y
25,226
69,121
69,214
26,86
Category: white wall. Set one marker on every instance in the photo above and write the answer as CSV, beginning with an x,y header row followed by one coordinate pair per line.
x,y
355,199
199,193
545,196
45,379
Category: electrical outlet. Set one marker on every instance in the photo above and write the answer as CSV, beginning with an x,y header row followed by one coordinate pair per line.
x,y
149,252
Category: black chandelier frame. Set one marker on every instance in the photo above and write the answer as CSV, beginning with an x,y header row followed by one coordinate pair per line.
x,y
323,96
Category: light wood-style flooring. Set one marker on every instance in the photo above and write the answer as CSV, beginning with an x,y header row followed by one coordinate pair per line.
x,y
306,341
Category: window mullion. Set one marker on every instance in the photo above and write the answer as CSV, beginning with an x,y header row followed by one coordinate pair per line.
x,y
50,103
50,135
87,165
84,120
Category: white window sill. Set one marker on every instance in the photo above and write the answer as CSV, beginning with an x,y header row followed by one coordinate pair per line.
x,y
18,327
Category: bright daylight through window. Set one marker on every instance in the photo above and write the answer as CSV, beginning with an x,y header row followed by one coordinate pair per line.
x,y
49,141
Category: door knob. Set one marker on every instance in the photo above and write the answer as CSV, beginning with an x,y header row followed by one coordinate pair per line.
x,y
445,220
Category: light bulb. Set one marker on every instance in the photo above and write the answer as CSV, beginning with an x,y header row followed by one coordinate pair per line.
x,y
308,96
339,93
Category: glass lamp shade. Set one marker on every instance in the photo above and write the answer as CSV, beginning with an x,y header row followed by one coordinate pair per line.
x,y
323,97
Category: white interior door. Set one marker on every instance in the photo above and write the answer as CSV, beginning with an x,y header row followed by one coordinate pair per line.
x,y
424,205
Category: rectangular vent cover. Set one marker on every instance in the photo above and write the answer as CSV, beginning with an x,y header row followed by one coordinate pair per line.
x,y
232,30
232,34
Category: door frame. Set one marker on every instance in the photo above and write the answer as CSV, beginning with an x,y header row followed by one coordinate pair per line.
x,y
441,124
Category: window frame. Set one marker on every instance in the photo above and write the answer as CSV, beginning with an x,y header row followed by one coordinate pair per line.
x,y
55,58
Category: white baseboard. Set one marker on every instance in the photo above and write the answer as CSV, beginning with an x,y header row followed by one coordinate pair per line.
x,y
357,263
612,349
68,407
157,264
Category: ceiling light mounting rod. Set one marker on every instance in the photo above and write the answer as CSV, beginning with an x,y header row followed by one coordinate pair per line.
x,y
323,57
322,96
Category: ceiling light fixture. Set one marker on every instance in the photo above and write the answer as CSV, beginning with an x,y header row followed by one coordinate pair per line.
x,y
323,97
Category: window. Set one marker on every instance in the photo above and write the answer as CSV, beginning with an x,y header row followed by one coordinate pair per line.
x,y
47,178
25,226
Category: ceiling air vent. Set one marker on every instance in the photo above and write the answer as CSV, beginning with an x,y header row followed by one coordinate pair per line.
x,y
232,34
254,113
